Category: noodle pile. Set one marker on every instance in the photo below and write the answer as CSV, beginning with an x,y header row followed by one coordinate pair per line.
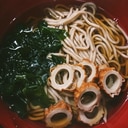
x,y
92,36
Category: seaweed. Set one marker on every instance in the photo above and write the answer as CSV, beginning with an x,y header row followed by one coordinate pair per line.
x,y
24,66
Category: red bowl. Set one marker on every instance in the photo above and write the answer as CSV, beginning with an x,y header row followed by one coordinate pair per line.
x,y
16,10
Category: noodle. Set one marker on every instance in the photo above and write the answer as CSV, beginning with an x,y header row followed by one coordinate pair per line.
x,y
36,112
90,31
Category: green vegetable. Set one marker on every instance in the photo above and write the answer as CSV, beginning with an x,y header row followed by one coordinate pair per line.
x,y
24,68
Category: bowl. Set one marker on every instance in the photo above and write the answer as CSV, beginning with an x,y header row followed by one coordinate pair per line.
x,y
13,12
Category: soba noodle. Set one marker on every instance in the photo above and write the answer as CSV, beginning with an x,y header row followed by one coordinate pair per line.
x,y
92,36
